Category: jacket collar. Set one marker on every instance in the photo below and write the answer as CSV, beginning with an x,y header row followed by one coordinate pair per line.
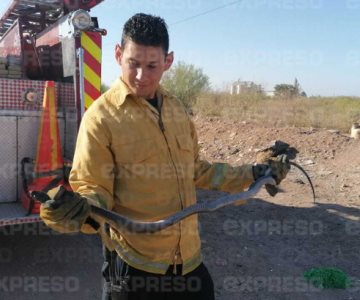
x,y
124,91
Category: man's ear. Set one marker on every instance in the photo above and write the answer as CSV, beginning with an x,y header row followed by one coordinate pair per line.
x,y
118,53
169,60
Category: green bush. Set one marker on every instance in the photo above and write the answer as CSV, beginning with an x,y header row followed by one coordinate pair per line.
x,y
185,82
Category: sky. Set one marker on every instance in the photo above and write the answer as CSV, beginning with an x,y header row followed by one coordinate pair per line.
x,y
266,41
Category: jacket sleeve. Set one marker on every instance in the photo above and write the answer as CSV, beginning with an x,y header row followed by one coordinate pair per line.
x,y
92,173
219,176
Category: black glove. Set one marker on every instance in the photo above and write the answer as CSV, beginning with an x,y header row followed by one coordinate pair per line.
x,y
279,166
66,211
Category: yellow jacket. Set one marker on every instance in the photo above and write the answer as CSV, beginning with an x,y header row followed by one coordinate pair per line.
x,y
133,161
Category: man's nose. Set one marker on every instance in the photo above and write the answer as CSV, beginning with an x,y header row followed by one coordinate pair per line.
x,y
140,74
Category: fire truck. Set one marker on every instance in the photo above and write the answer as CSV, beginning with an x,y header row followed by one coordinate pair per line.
x,y
50,73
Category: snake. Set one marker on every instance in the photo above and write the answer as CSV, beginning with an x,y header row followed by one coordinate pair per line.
x,y
137,226
307,177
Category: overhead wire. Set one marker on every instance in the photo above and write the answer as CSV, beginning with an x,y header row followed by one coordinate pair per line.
x,y
205,12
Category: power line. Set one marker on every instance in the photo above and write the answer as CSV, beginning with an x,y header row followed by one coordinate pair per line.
x,y
206,12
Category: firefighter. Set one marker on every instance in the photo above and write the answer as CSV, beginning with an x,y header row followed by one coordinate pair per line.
x,y
137,154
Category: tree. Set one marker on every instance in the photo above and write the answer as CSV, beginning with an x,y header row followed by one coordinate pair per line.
x,y
297,87
285,90
104,88
288,90
185,82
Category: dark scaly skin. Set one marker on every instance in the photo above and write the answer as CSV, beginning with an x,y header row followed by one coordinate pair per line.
x,y
123,222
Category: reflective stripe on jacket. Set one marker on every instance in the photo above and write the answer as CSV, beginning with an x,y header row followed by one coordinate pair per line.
x,y
145,166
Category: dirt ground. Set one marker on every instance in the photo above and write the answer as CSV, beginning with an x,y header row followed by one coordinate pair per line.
x,y
255,251
261,250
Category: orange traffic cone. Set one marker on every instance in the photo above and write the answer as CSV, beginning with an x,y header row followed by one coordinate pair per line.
x,y
49,165
49,161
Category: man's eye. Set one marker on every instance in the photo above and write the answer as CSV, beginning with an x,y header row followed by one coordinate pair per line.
x,y
133,64
152,67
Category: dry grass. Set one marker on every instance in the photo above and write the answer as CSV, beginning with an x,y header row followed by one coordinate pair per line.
x,y
324,112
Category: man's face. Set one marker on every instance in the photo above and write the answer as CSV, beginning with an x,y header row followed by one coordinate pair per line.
x,y
142,67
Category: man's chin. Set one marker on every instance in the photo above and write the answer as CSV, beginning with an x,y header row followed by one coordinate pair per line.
x,y
143,92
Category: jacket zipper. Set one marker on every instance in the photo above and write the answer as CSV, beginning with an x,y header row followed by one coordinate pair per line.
x,y
161,125
175,258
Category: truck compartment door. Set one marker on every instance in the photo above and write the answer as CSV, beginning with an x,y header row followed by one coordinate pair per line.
x,y
8,165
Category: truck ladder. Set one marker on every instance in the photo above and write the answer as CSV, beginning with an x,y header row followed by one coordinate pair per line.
x,y
36,14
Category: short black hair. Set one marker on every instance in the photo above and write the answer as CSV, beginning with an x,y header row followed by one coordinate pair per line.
x,y
146,30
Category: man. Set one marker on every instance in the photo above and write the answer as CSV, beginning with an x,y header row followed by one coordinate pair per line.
x,y
137,154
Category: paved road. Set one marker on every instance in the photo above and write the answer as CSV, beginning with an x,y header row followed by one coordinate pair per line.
x,y
37,263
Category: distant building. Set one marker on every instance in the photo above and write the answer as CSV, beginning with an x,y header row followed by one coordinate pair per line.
x,y
245,87
269,93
